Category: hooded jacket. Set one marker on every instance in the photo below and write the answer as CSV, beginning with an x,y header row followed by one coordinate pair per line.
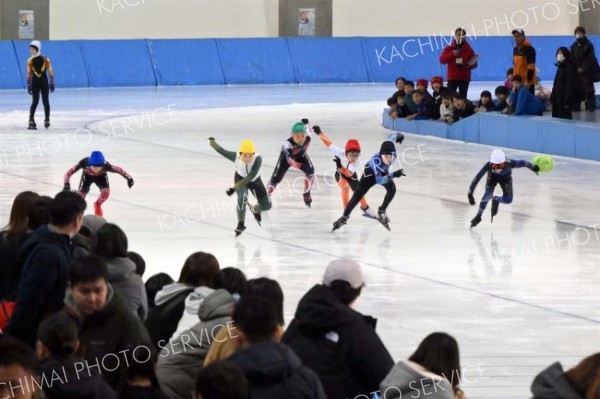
x,y
64,378
458,67
163,318
179,362
121,274
189,316
339,344
274,371
564,89
552,383
411,380
44,281
106,332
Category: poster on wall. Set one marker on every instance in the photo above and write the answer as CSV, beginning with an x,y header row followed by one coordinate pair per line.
x,y
306,25
26,24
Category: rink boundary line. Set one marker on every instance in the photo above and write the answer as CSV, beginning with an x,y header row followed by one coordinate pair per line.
x,y
377,266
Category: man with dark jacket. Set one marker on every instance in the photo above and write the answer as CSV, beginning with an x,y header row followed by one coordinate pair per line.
x,y
272,369
564,89
45,276
584,56
106,325
334,340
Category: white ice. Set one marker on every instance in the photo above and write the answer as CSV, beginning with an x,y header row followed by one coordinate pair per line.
x,y
518,294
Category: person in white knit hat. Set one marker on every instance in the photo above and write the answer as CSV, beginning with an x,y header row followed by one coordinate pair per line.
x,y
38,70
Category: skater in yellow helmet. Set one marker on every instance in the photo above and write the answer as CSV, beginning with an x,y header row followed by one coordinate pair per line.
x,y
247,178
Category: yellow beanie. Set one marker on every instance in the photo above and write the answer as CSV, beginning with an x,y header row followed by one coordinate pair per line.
x,y
247,147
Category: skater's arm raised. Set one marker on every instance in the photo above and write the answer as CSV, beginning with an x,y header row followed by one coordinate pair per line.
x,y
251,175
478,177
117,169
231,155
523,164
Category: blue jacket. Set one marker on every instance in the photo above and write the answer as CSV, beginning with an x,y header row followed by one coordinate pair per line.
x,y
380,170
525,103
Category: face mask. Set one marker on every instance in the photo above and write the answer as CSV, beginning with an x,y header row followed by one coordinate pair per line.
x,y
578,36
560,57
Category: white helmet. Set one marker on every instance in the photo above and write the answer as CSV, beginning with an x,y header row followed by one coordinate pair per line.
x,y
497,156
37,45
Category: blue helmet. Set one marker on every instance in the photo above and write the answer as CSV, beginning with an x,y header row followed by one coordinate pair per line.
x,y
96,159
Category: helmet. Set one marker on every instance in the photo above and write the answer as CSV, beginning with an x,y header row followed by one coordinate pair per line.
x,y
352,145
299,128
247,147
96,159
497,156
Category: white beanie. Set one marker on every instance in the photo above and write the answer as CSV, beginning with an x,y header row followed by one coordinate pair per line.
x,y
38,45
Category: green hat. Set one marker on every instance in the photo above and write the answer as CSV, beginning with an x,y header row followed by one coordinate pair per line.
x,y
298,128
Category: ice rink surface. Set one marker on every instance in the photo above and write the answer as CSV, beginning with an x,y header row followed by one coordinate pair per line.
x,y
517,294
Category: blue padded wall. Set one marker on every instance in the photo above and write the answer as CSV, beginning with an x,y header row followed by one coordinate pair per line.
x,y
186,62
118,63
256,61
66,59
387,58
328,60
10,69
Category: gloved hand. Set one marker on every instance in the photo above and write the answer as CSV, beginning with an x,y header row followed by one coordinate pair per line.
x,y
29,89
399,138
317,129
230,191
67,187
536,169
130,182
304,120
398,173
51,87
471,199
338,162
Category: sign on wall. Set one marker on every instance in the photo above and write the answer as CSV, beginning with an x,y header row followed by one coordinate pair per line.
x,y
306,22
26,24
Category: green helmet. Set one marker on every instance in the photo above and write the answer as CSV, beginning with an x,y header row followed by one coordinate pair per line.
x,y
298,128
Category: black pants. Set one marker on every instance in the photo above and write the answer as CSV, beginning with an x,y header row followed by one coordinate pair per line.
x,y
586,91
365,184
40,86
101,181
561,112
461,85
282,167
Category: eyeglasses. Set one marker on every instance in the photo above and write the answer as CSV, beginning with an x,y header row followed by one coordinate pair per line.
x,y
497,166
353,153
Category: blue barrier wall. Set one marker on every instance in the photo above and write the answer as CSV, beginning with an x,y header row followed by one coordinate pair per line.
x,y
186,62
531,133
265,61
10,70
65,57
256,61
118,62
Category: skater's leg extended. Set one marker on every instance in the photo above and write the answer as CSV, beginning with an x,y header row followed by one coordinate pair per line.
x,y
363,187
242,199
280,170
345,191
390,189
309,177
260,192
507,192
487,196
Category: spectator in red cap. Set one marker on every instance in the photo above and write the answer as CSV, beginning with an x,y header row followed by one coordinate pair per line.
x,y
422,88
461,59
437,89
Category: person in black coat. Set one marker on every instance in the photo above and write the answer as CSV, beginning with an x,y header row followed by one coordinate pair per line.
x,y
564,89
272,369
45,275
335,341
584,57
61,368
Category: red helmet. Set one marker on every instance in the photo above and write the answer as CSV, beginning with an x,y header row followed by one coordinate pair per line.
x,y
352,145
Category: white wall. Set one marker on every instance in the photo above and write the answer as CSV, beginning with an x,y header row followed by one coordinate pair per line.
x,y
440,17
135,19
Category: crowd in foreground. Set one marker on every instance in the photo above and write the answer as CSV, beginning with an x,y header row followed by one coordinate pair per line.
x,y
79,322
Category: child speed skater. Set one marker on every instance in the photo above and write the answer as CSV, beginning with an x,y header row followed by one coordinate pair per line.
x,y
294,153
499,171
37,82
376,172
348,163
94,171
247,168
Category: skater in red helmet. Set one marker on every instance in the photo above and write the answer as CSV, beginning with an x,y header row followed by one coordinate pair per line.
x,y
94,171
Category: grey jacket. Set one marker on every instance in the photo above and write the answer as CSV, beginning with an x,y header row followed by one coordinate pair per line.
x,y
180,360
408,379
552,383
121,274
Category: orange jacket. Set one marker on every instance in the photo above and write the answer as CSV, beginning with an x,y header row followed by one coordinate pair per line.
x,y
524,63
